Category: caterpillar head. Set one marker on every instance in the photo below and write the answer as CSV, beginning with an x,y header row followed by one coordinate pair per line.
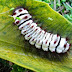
x,y
18,10
20,14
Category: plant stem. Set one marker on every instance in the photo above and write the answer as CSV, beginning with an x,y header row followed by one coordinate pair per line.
x,y
55,5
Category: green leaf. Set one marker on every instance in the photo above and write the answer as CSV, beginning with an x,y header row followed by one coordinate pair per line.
x,y
71,15
58,4
63,0
47,1
68,17
38,0
14,48
68,7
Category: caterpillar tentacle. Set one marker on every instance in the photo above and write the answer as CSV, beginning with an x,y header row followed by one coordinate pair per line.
x,y
36,35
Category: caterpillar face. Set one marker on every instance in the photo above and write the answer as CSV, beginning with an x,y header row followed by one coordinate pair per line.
x,y
37,36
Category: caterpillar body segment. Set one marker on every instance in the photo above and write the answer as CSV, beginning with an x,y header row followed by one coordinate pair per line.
x,y
37,36
26,24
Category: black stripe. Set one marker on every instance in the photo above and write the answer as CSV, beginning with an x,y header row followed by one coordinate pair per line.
x,y
58,44
25,21
22,14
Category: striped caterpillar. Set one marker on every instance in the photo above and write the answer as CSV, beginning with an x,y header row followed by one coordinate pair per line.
x,y
37,36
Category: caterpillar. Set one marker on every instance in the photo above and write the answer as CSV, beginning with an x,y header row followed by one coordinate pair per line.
x,y
36,36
